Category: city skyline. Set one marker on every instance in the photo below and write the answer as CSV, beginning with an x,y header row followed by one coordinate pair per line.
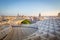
x,y
30,7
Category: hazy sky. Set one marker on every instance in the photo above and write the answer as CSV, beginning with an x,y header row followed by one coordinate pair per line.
x,y
29,7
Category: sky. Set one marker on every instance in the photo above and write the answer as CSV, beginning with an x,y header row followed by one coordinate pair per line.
x,y
29,7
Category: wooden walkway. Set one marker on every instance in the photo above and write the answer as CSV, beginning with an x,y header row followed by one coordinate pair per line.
x,y
21,33
16,33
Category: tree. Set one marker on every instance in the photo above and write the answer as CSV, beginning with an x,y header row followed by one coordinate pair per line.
x,y
26,21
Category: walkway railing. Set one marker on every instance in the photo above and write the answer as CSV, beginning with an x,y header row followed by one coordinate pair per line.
x,y
4,33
